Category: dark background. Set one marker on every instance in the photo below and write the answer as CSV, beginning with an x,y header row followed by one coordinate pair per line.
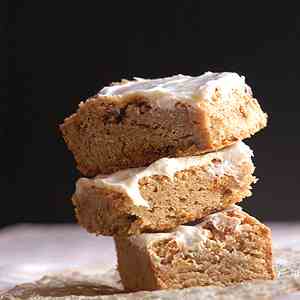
x,y
62,52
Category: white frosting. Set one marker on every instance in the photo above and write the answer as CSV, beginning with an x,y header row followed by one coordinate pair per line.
x,y
227,161
185,87
190,237
222,222
193,237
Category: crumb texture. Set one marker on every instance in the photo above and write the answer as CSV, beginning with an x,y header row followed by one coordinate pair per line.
x,y
110,132
106,207
235,247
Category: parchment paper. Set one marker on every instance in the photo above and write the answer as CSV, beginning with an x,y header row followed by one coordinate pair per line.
x,y
64,262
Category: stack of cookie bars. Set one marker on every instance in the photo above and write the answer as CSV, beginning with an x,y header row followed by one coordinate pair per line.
x,y
165,165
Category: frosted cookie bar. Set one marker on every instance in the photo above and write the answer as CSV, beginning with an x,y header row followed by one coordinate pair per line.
x,y
134,123
224,248
169,192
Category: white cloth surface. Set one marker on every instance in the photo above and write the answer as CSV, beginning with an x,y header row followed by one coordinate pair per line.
x,y
28,252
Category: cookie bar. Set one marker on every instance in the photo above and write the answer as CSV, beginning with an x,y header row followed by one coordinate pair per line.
x,y
134,123
224,248
169,192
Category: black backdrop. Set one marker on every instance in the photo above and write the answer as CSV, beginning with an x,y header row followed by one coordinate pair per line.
x,y
60,52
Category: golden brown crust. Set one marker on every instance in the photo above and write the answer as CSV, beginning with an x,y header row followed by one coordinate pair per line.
x,y
109,133
192,195
226,257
